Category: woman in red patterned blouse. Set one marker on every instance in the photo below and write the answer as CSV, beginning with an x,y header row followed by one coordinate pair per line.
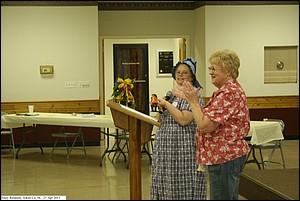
x,y
222,126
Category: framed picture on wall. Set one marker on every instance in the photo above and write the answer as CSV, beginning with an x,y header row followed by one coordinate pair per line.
x,y
164,63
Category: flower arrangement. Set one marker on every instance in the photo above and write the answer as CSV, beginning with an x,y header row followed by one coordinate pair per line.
x,y
122,92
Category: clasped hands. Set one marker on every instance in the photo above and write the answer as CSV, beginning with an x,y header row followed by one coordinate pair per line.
x,y
187,91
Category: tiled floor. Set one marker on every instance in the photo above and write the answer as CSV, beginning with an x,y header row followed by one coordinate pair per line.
x,y
81,178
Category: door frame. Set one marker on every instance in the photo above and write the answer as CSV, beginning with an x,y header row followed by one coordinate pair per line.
x,y
106,62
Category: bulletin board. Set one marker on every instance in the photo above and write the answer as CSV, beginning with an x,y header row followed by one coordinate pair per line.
x,y
165,63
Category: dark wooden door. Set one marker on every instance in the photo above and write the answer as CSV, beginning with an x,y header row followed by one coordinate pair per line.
x,y
131,61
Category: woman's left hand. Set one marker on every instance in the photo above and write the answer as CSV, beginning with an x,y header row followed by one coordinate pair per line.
x,y
186,91
178,92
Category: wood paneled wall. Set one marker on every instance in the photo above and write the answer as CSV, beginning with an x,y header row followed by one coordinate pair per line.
x,y
273,102
77,106
93,106
263,102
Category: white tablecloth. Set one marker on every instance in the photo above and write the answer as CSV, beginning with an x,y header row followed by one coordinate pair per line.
x,y
59,119
264,131
260,131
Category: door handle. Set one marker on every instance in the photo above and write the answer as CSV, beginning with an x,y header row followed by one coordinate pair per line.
x,y
140,81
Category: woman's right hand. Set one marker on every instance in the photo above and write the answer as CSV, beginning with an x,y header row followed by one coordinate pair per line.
x,y
161,102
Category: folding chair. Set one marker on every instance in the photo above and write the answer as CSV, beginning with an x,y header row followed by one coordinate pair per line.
x,y
8,131
273,145
65,135
125,137
11,144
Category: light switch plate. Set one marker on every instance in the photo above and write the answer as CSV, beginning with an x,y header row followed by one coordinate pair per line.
x,y
46,69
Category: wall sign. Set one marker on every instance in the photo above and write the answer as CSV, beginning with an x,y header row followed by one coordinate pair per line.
x,y
165,63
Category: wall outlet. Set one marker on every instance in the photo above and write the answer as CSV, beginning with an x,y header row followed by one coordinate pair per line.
x,y
70,84
83,84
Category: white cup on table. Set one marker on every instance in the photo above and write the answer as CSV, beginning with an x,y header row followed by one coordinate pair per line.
x,y
30,109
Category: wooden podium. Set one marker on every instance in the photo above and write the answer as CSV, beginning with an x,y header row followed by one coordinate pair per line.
x,y
140,128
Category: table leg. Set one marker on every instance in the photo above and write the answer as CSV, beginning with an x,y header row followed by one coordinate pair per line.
x,y
25,132
254,157
115,148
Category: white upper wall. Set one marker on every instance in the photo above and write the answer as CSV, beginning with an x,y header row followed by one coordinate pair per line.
x,y
68,39
65,37
247,30
149,24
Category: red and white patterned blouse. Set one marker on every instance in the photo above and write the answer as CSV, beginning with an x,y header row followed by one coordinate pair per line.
x,y
227,106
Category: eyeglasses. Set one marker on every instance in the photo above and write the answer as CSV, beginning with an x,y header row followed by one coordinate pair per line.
x,y
212,69
182,72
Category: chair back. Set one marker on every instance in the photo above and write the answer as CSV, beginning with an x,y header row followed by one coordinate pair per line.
x,y
5,131
281,122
